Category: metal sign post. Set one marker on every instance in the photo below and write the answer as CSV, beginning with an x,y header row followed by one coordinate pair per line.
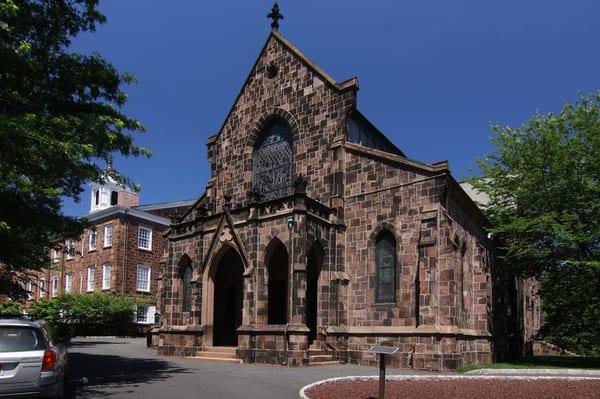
x,y
382,351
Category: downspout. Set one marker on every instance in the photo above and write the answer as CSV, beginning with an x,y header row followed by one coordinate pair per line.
x,y
290,222
125,253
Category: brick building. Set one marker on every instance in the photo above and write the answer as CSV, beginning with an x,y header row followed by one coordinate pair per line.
x,y
317,237
120,252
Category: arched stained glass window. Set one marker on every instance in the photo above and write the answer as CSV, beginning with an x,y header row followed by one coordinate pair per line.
x,y
272,162
385,260
186,280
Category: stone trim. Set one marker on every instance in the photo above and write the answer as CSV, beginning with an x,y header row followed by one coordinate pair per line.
x,y
273,328
422,330
371,152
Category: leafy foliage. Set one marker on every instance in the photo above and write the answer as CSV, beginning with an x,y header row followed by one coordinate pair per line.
x,y
543,181
88,314
571,303
10,309
59,118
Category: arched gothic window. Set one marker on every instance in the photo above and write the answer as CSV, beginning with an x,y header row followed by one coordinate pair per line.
x,y
385,260
272,162
186,282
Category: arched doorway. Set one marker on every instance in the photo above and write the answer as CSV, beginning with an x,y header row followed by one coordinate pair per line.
x,y
313,272
227,299
277,262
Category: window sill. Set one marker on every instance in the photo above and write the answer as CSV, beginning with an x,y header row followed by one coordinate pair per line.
x,y
91,250
143,291
145,249
107,246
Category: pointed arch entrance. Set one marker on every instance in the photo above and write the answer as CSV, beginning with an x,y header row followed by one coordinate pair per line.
x,y
225,288
313,272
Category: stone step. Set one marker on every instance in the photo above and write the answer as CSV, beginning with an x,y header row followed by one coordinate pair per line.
x,y
328,363
222,349
215,359
319,358
317,352
221,355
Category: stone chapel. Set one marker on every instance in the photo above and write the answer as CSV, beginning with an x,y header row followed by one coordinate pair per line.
x,y
317,237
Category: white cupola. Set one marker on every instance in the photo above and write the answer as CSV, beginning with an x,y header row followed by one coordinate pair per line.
x,y
110,193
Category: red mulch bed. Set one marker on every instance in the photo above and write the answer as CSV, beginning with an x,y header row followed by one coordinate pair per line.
x,y
463,389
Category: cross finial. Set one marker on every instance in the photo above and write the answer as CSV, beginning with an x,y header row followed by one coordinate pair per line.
x,y
275,15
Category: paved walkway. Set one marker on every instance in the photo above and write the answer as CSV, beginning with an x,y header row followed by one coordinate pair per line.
x,y
125,368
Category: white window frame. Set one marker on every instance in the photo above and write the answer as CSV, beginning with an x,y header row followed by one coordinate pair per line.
x,y
68,283
149,238
55,256
54,285
148,313
42,287
30,293
106,276
107,242
138,281
93,233
70,248
91,278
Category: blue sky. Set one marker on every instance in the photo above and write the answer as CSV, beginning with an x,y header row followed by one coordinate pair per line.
x,y
433,73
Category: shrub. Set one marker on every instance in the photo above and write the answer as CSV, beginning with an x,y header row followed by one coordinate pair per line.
x,y
10,309
88,314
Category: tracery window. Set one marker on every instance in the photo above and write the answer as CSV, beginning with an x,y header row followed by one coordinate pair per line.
x,y
385,260
272,162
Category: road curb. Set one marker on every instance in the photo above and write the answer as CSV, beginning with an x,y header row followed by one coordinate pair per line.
x,y
304,389
534,372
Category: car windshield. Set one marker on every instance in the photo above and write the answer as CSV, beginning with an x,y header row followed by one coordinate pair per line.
x,y
17,339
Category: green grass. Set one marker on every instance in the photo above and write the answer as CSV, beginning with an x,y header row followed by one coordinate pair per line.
x,y
541,362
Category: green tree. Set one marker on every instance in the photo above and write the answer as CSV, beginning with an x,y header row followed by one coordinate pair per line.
x,y
543,180
60,119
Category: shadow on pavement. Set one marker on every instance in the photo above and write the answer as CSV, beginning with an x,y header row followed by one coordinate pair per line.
x,y
107,375
86,344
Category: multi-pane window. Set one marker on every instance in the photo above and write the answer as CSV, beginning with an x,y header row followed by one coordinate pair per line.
x,y
106,271
54,281
186,281
144,238
143,278
55,256
30,294
145,314
70,247
93,238
385,260
108,235
91,275
42,288
68,283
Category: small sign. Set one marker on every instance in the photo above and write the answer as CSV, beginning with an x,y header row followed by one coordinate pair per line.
x,y
386,350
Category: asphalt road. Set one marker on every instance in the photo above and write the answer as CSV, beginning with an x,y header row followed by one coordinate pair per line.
x,y
125,368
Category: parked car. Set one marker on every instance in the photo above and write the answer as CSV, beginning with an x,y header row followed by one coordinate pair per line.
x,y
32,365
